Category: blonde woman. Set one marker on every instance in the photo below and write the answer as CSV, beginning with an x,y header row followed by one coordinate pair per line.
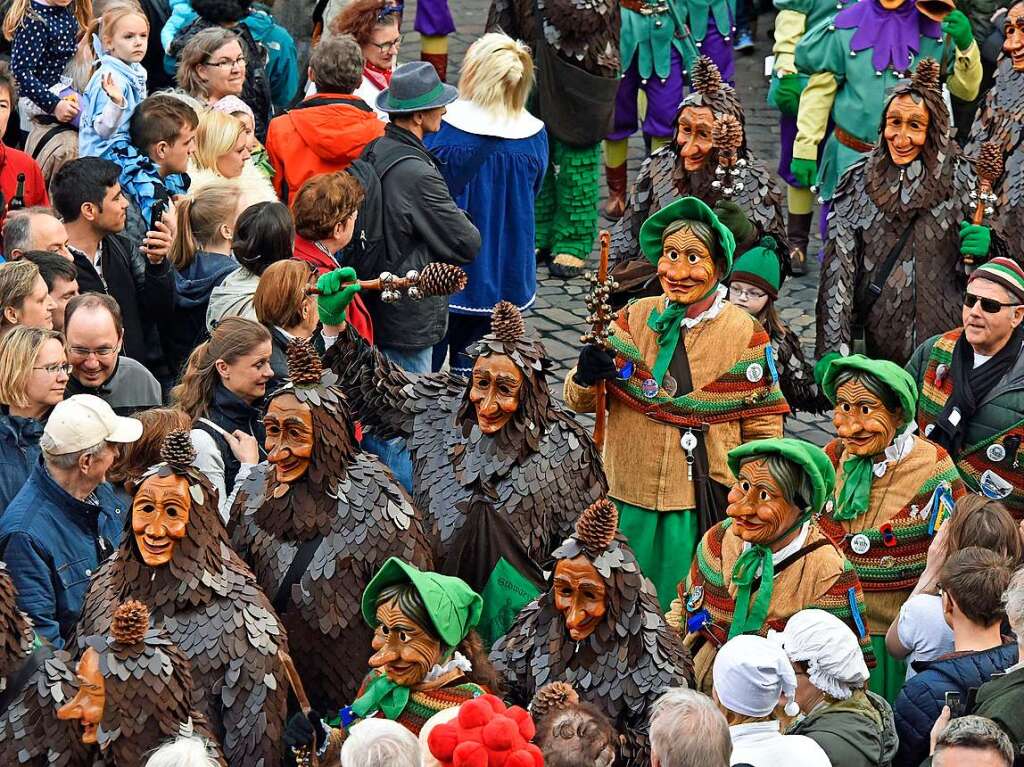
x,y
222,152
495,155
33,375
201,256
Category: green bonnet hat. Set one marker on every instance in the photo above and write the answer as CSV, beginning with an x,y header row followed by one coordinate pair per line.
x,y
692,209
760,267
889,373
454,607
812,459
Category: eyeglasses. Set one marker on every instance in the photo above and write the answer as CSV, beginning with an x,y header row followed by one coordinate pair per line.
x,y
103,351
745,293
385,47
228,64
988,305
55,369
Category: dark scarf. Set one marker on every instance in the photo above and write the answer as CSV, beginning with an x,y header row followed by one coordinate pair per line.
x,y
970,387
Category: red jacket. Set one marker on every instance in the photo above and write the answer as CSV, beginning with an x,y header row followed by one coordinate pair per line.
x,y
323,134
356,314
12,162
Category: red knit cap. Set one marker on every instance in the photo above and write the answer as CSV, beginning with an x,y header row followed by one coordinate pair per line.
x,y
486,734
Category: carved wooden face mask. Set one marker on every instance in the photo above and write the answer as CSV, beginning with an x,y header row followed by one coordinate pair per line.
x,y
580,595
289,426
862,421
1013,32
686,268
693,135
495,391
906,128
87,705
757,506
402,648
160,512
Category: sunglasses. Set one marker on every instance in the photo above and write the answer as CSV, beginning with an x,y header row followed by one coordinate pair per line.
x,y
988,305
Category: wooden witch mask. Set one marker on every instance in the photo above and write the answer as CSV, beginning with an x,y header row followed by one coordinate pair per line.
x,y
761,502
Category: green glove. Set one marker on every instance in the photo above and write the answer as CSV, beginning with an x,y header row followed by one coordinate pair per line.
x,y
337,289
804,171
974,239
735,220
787,94
958,27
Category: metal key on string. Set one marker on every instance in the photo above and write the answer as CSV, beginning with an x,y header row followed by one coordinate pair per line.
x,y
688,442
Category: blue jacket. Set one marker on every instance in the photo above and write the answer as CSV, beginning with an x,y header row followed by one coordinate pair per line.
x,y
19,453
51,544
920,701
131,80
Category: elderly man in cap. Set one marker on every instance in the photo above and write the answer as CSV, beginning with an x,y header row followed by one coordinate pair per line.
x,y
66,519
971,385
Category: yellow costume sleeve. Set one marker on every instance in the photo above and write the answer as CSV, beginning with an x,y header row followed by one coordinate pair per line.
x,y
966,79
580,399
812,120
789,28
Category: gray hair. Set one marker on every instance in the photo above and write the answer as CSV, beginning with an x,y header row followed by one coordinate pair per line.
x,y
1013,598
65,461
337,65
688,730
182,752
975,732
381,743
18,228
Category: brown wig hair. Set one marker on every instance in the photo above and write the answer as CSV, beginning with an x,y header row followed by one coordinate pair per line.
x,y
160,117
979,521
976,578
135,458
360,17
323,202
281,292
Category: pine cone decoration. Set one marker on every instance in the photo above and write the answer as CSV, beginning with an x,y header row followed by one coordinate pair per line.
x,y
706,78
926,76
130,623
177,451
989,164
506,322
727,135
304,366
551,697
442,279
596,527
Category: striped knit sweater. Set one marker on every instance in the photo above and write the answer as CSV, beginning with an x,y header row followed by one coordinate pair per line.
x,y
821,579
902,518
974,459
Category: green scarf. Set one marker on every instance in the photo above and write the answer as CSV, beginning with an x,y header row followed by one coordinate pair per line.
x,y
853,498
384,695
667,325
747,619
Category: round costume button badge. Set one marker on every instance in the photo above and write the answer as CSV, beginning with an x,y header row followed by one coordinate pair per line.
x,y
996,452
755,372
626,371
860,544
688,441
650,388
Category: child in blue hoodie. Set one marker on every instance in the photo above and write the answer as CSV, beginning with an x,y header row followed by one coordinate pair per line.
x,y
117,43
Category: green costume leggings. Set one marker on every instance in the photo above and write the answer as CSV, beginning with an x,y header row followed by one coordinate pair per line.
x,y
566,208
889,675
664,543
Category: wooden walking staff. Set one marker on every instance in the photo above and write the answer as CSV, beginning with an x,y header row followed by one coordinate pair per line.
x,y
599,318
989,167
436,279
303,756
727,138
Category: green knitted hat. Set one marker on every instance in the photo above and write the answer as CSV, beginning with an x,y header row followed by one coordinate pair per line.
x,y
889,373
810,458
760,267
692,209
454,607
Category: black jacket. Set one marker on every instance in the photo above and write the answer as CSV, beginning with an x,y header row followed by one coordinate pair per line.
x,y
256,89
920,701
421,224
231,413
142,293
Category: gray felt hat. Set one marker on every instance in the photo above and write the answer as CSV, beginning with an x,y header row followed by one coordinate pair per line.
x,y
415,87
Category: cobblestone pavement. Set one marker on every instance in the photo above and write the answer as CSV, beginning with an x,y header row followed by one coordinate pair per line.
x,y
558,315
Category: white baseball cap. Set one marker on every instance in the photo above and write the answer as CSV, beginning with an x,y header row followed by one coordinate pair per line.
x,y
83,421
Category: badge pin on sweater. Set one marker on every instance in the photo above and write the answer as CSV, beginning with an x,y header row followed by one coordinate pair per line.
x,y
727,138
600,317
989,167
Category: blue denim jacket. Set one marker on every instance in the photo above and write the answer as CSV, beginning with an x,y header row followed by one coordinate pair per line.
x,y
19,453
49,541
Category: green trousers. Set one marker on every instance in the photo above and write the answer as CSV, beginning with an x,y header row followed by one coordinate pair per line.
x,y
889,675
664,543
566,210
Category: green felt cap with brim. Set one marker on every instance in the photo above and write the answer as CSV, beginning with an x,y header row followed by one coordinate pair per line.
x,y
691,209
760,267
892,375
453,606
811,458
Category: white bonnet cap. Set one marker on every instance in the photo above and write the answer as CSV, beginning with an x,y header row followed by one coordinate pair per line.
x,y
750,675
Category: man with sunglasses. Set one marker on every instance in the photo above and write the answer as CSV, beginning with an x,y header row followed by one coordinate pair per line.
x,y
971,385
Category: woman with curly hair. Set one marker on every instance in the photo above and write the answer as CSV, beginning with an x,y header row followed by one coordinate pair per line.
x,y
377,26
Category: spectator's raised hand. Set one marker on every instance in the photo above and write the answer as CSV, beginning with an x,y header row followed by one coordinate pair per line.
x,y
111,89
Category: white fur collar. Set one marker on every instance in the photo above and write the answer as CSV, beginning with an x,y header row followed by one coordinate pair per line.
x,y
468,116
457,661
